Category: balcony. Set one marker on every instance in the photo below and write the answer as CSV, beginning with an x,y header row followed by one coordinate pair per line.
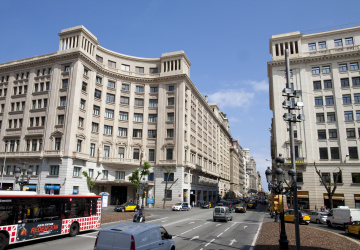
x,y
297,160
81,156
26,154
336,50
53,153
167,162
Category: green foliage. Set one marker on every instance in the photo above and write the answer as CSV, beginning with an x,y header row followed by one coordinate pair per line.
x,y
138,174
224,115
90,182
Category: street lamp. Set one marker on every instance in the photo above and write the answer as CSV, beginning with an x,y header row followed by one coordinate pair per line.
x,y
23,180
144,186
277,188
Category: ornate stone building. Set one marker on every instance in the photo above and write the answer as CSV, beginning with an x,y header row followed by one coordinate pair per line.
x,y
87,109
325,66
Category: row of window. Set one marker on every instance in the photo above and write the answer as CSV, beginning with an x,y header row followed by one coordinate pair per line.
x,y
344,83
329,100
10,170
108,130
334,153
27,74
337,43
126,87
349,116
342,67
337,177
126,67
332,133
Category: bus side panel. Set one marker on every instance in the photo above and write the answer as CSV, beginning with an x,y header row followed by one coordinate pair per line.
x,y
12,230
86,223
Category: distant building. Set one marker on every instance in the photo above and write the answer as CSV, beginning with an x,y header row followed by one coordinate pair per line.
x,y
87,109
325,66
237,170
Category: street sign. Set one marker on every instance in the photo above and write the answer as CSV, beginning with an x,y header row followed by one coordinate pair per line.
x,y
179,195
150,200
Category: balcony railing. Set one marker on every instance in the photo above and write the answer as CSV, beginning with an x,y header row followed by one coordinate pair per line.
x,y
297,160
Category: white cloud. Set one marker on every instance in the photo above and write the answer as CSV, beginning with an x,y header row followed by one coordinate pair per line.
x,y
233,98
259,86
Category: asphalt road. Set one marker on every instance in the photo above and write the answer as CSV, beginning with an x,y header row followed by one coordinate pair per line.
x,y
192,229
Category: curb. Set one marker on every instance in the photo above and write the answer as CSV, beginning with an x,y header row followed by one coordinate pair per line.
x,y
355,241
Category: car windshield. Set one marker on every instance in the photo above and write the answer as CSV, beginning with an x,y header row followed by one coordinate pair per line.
x,y
124,204
177,204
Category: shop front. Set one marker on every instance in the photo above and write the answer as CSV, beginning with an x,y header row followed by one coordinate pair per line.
x,y
31,187
338,200
303,199
53,189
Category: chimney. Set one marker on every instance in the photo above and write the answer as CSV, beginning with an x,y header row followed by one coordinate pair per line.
x,y
206,97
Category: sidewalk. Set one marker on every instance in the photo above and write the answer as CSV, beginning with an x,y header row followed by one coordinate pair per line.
x,y
310,238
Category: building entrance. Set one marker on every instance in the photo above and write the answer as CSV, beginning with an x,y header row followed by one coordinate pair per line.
x,y
119,194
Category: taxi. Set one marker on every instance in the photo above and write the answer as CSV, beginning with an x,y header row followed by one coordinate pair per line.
x,y
353,228
290,214
252,204
126,207
241,208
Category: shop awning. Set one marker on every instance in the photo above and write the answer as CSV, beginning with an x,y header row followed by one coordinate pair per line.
x,y
335,198
303,196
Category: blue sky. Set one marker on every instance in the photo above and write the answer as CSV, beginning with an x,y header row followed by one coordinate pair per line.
x,y
227,43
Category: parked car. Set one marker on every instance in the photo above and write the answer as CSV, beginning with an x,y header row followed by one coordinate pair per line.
x,y
185,206
222,213
318,217
206,205
134,236
289,216
252,204
125,207
178,206
342,216
353,228
241,208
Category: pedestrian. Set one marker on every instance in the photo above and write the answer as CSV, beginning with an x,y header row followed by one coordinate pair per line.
x,y
131,200
193,203
322,209
286,207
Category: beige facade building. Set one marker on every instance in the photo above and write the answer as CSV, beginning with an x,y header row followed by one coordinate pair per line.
x,y
237,170
325,66
87,109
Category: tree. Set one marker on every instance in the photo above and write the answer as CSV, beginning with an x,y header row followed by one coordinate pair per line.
x,y
91,183
326,181
137,176
224,115
166,184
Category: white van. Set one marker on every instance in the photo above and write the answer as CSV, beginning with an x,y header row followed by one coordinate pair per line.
x,y
134,236
342,215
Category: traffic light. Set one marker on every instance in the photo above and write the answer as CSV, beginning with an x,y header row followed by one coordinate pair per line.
x,y
281,205
274,201
144,194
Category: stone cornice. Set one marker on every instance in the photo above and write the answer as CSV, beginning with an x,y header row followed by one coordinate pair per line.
x,y
127,57
315,58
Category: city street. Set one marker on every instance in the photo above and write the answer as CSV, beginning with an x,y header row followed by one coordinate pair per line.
x,y
192,229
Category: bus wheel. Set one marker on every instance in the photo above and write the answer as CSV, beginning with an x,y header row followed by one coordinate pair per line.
x,y
3,241
74,229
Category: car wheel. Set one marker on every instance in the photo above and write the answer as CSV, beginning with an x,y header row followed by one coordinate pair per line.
x,y
135,210
317,221
214,220
74,229
346,230
329,224
306,223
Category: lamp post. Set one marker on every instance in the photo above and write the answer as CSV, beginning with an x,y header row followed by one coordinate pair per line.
x,y
144,186
2,173
23,180
277,188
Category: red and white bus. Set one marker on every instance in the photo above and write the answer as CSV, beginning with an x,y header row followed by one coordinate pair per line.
x,y
28,216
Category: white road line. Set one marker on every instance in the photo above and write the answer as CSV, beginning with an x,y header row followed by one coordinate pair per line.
x,y
220,234
197,227
191,222
175,236
86,236
218,225
157,219
256,236
226,229
174,222
186,232
209,242
206,223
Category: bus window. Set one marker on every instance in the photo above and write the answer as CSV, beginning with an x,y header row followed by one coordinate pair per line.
x,y
94,206
50,209
7,212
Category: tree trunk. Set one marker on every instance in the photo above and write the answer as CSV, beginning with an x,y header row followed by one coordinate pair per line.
x,y
330,200
165,193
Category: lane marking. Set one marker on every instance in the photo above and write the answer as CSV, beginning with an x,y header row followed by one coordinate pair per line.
x,y
86,236
195,237
157,219
220,234
164,220
197,227
175,236
218,225
256,236
186,232
226,229
191,222
232,241
209,242
174,222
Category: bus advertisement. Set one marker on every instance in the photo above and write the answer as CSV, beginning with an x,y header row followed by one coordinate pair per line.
x,y
28,216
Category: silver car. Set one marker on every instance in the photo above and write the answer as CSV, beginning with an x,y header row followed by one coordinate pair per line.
x,y
222,213
134,236
318,217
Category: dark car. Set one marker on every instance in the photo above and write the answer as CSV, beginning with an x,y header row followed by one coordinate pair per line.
x,y
252,204
206,205
126,207
229,205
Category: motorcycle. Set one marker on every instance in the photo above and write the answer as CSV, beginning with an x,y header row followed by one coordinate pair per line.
x,y
139,217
